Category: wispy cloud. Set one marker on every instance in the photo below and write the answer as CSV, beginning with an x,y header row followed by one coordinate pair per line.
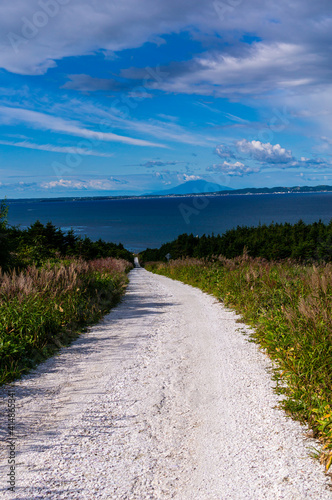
x,y
107,184
206,106
261,68
55,149
235,118
224,151
87,83
101,119
327,139
158,163
165,129
48,122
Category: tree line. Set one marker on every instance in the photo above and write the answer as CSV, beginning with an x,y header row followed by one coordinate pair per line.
x,y
39,242
300,241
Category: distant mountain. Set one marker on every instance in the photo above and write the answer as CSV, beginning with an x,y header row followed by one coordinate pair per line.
x,y
282,190
192,187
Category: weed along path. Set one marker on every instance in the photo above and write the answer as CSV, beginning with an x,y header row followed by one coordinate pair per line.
x,y
165,398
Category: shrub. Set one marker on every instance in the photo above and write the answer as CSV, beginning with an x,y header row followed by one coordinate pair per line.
x,y
44,308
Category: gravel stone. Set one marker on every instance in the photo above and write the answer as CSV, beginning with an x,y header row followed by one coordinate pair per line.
x,y
165,398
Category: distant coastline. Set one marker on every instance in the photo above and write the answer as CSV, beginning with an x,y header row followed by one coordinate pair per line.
x,y
244,191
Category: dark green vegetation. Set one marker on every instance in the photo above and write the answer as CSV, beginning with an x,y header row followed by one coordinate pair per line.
x,y
290,306
52,285
4,241
303,242
39,242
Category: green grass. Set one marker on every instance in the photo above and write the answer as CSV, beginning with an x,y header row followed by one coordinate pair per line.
x,y
290,307
42,309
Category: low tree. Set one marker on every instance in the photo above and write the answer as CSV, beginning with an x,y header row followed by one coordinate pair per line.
x,y
4,240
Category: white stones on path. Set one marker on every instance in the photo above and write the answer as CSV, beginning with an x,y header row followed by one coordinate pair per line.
x,y
165,398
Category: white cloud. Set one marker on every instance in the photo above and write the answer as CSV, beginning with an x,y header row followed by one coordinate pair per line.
x,y
315,163
83,27
32,46
140,96
259,68
87,83
107,184
48,122
56,149
157,163
236,169
224,152
168,118
167,131
327,139
65,114
265,152
186,177
291,50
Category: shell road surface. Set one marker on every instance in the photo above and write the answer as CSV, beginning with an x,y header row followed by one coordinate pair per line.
x,y
165,398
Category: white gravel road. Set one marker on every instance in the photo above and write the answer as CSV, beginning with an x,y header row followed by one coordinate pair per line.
x,y
165,398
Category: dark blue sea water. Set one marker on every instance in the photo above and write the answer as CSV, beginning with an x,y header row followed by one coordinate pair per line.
x,y
142,223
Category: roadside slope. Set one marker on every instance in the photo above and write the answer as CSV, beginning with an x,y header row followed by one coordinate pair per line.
x,y
165,398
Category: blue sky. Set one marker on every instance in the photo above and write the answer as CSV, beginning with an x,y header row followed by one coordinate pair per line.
x,y
102,98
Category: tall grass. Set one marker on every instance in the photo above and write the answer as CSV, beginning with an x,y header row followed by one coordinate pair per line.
x,y
42,309
290,306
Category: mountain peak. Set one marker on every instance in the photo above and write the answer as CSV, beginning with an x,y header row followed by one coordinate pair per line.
x,y
193,187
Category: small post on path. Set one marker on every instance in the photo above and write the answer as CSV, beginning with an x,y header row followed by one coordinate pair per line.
x,y
168,256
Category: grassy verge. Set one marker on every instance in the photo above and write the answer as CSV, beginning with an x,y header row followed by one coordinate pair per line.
x,y
44,308
290,307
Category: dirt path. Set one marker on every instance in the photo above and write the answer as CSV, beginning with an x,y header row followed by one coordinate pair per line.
x,y
164,399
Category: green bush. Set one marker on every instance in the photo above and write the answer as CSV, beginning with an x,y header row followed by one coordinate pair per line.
x,y
4,240
43,308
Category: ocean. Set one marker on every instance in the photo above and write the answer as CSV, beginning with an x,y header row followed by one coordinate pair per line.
x,y
139,223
